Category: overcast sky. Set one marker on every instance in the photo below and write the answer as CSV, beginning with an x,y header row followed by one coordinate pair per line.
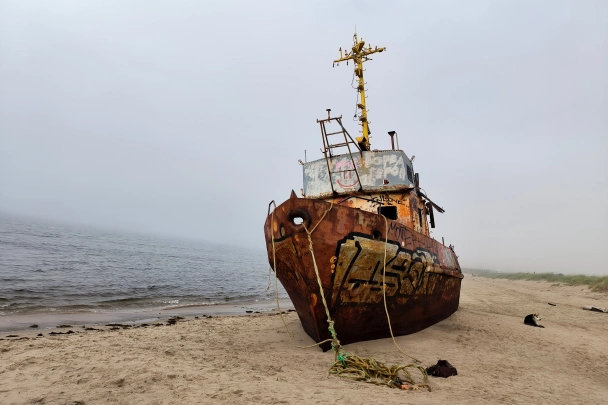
x,y
186,118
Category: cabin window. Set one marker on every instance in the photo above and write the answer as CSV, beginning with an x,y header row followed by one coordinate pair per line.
x,y
390,211
420,217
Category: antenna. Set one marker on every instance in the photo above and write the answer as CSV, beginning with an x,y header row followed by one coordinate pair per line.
x,y
359,54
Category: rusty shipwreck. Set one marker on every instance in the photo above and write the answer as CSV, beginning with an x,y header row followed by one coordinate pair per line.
x,y
361,206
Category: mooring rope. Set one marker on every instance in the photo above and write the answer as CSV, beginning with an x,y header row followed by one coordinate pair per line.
x,y
384,294
276,288
346,364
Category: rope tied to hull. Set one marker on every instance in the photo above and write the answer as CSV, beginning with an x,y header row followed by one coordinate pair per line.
x,y
346,364
276,287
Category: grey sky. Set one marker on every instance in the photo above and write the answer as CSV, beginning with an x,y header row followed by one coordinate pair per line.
x,y
186,118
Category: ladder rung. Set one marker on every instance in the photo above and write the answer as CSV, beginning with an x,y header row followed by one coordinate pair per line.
x,y
335,133
337,145
344,171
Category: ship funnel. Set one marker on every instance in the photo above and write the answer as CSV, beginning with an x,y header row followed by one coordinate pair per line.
x,y
392,135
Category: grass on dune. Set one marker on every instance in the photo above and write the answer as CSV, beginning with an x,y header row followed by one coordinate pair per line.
x,y
595,283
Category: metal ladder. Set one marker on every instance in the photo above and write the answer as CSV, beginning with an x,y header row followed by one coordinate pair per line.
x,y
328,148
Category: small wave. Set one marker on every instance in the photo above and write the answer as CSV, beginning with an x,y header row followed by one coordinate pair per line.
x,y
201,304
11,279
171,302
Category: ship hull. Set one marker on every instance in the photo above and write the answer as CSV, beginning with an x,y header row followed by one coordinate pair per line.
x,y
422,277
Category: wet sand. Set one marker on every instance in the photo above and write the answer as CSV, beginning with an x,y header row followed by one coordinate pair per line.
x,y
249,359
16,323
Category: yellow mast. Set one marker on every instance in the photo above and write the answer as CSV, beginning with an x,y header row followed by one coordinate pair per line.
x,y
358,55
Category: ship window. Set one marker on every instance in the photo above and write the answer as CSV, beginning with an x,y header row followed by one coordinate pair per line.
x,y
420,217
298,220
390,211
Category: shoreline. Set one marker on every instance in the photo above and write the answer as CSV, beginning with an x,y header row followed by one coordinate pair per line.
x,y
45,321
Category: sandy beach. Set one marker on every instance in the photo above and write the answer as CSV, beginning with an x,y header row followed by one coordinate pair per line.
x,y
249,359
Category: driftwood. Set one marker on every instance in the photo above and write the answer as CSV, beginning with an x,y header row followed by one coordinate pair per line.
x,y
596,309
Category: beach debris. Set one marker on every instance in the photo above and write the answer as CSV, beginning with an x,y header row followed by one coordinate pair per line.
x,y
62,333
443,368
595,309
89,328
552,304
371,371
532,320
33,326
171,321
64,326
40,334
12,336
121,325
249,312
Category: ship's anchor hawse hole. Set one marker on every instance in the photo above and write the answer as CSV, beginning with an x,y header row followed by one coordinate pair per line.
x,y
298,217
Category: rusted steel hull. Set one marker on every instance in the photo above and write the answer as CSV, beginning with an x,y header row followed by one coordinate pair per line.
x,y
422,276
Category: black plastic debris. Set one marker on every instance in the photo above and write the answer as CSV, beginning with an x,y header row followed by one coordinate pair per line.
x,y
442,369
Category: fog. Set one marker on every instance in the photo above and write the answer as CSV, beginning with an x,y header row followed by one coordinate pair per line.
x,y
186,118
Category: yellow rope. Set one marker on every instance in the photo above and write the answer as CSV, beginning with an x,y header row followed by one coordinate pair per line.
x,y
384,294
335,343
276,288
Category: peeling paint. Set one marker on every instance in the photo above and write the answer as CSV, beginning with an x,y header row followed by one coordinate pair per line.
x,y
378,171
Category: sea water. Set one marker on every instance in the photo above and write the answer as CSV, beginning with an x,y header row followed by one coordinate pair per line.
x,y
54,268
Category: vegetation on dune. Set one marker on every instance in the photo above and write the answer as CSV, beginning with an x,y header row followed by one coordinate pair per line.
x,y
595,283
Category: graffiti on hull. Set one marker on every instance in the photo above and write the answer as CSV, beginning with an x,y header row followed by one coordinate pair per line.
x,y
357,277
